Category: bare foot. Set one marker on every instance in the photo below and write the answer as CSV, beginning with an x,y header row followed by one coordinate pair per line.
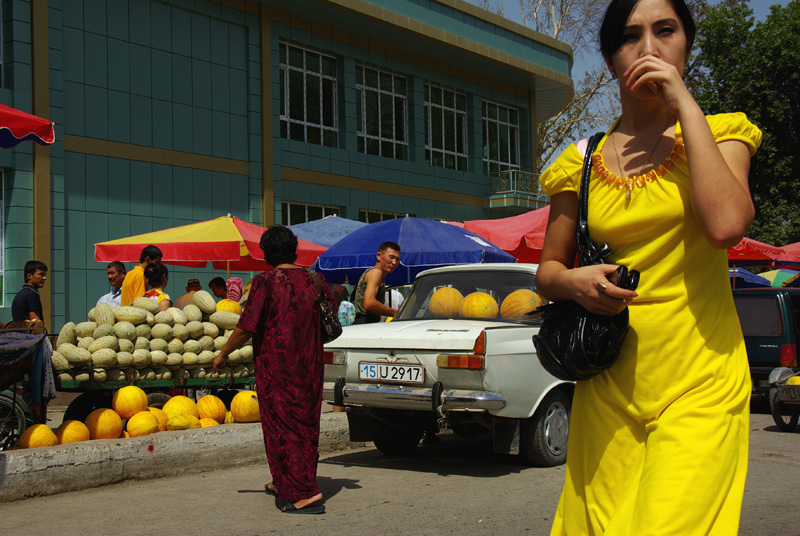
x,y
302,503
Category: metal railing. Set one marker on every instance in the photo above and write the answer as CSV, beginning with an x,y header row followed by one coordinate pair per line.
x,y
515,181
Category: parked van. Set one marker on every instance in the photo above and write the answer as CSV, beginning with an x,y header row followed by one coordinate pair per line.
x,y
770,319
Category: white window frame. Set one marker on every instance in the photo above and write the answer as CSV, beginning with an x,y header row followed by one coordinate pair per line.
x,y
503,162
328,133
393,146
446,156
327,210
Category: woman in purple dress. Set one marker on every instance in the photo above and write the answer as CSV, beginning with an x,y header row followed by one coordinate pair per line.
x,y
282,315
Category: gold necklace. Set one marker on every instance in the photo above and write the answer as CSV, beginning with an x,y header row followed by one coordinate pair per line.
x,y
638,179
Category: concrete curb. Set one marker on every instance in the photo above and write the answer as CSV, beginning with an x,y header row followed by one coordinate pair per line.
x,y
51,470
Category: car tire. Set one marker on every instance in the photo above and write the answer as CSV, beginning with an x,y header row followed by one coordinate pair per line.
x,y
392,441
543,437
84,404
784,415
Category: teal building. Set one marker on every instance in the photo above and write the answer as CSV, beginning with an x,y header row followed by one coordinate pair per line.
x,y
169,112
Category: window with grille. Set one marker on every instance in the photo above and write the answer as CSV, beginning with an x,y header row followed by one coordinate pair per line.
x,y
308,96
381,113
500,138
445,128
372,216
294,213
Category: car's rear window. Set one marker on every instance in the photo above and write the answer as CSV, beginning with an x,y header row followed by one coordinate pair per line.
x,y
759,316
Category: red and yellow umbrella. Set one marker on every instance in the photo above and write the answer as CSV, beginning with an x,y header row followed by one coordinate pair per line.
x,y
227,242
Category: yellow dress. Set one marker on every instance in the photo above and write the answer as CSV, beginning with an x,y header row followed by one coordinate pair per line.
x,y
658,442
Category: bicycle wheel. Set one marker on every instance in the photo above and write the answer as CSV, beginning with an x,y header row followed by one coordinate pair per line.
x,y
12,422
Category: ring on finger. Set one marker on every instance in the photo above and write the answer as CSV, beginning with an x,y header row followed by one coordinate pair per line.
x,y
601,286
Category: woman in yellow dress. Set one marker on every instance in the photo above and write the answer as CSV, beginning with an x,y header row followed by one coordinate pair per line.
x,y
658,442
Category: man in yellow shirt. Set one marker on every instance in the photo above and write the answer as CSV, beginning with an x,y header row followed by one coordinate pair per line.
x,y
134,284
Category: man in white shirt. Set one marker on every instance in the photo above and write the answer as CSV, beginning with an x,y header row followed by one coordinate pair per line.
x,y
116,275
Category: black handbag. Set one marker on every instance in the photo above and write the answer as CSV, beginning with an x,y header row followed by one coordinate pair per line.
x,y
331,327
574,344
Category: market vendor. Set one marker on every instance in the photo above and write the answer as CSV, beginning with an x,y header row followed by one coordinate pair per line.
x,y
116,275
192,286
134,284
27,304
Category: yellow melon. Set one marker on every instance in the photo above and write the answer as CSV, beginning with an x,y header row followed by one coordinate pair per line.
x,y
244,407
104,423
211,407
161,416
37,435
180,422
129,401
229,418
229,306
72,432
142,424
794,380
479,305
519,303
180,405
446,303
205,423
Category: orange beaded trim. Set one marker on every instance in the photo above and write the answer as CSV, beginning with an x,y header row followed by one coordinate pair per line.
x,y
628,183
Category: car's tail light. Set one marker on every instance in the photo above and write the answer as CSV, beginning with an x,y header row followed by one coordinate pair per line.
x,y
473,361
334,358
462,361
788,355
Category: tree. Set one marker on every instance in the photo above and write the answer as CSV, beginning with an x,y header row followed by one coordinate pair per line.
x,y
575,22
741,65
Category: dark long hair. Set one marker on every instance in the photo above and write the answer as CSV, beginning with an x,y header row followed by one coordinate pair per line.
x,y
613,27
279,245
155,273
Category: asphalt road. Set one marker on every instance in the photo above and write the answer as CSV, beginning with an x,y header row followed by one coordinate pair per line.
x,y
455,487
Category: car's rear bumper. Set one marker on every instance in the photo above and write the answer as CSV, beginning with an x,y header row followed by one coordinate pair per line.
x,y
411,398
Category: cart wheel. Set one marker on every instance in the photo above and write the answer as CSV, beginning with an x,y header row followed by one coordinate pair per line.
x,y
81,407
12,422
157,400
785,415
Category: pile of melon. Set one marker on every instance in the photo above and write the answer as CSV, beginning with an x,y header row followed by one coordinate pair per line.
x,y
131,417
448,302
139,342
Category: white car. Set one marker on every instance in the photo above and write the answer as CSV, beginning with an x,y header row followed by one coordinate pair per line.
x,y
420,373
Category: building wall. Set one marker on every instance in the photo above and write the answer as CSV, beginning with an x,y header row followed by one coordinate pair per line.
x,y
158,110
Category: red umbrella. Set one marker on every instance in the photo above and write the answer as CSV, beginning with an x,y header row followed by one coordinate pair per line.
x,y
752,252
228,242
790,255
521,236
17,126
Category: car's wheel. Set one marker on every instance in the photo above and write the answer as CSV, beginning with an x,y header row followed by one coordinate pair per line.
x,y
157,400
785,415
393,441
543,437
81,407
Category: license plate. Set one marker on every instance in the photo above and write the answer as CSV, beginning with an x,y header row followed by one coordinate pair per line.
x,y
391,372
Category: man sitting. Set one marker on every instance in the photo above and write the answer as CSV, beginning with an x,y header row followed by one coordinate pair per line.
x,y
192,286
116,275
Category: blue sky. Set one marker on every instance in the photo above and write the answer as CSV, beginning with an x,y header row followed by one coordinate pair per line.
x,y
511,11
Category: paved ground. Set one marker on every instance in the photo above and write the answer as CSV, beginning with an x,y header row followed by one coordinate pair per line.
x,y
457,487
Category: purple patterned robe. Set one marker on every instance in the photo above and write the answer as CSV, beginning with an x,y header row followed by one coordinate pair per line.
x,y
283,313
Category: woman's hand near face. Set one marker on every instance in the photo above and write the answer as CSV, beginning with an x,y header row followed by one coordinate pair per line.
x,y
663,79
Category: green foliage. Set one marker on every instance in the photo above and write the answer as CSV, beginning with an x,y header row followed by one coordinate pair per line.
x,y
740,65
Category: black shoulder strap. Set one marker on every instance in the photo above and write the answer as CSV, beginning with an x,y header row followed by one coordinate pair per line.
x,y
317,283
588,253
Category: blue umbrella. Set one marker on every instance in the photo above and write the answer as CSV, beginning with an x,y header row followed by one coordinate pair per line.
x,y
741,278
423,243
327,231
